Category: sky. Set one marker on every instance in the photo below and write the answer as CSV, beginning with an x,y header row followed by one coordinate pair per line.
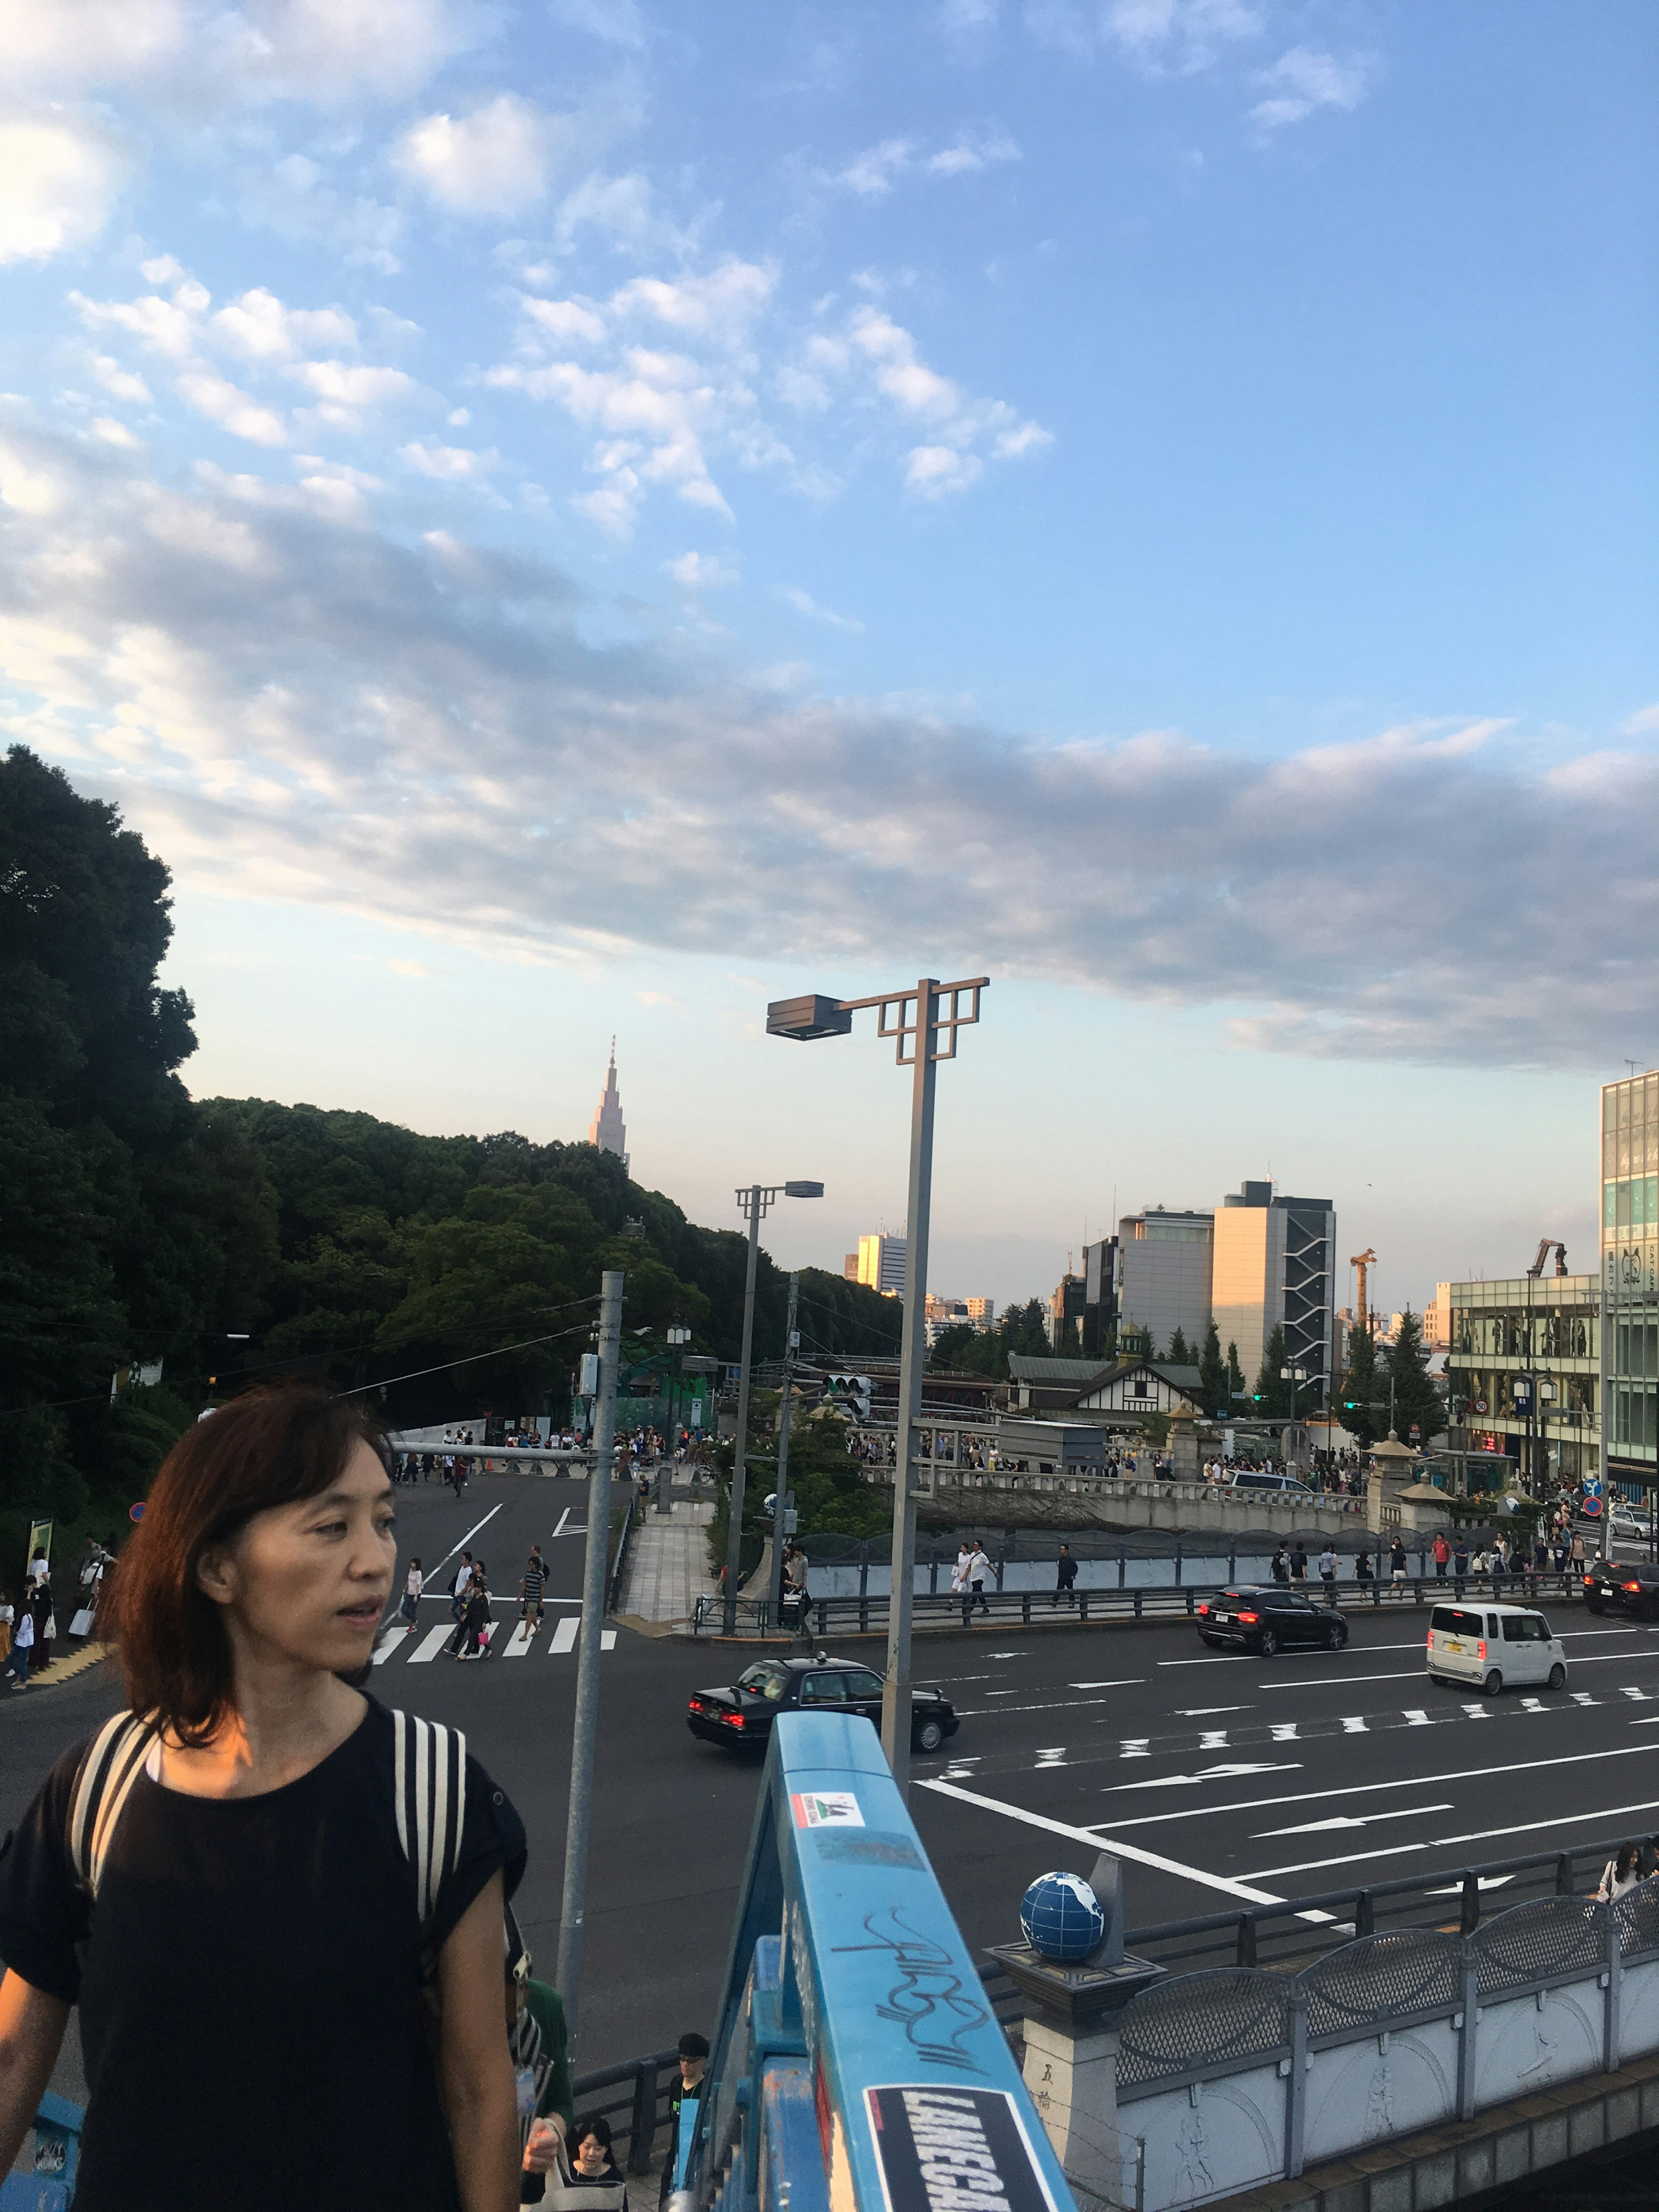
x,y
580,518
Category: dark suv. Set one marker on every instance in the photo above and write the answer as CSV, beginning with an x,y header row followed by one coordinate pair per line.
x,y
743,1713
1269,1621
1616,1586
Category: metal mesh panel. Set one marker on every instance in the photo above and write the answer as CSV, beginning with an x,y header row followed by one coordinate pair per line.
x,y
1637,1913
1553,1935
1201,2020
1364,1983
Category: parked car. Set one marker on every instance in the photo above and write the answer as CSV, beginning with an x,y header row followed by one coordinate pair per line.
x,y
1494,1645
1629,1527
742,1713
1621,1586
1269,1621
1285,1487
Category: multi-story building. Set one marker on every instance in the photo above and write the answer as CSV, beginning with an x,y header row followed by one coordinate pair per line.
x,y
881,1264
608,1131
1272,1267
1522,1370
1065,1307
1164,1274
981,1311
1099,1296
1630,1278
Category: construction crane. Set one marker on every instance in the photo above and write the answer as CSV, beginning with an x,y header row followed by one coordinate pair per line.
x,y
1546,1246
1362,1260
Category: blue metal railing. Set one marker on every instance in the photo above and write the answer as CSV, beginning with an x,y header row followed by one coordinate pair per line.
x,y
856,2038
50,2184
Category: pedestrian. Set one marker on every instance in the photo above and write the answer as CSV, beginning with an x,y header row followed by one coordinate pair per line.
x,y
587,2177
1442,1554
1065,1577
1362,1570
978,1568
531,1586
414,1581
22,1648
1461,1562
250,1841
1620,1873
539,2042
959,1575
1281,1566
1576,1552
794,1576
475,1626
458,1587
1397,1566
45,1625
1298,1561
8,1616
1327,1571
693,2056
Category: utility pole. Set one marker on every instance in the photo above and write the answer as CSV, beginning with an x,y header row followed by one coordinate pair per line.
x,y
780,1513
752,1200
584,1738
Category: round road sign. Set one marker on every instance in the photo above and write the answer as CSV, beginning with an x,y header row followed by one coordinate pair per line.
x,y
136,1512
1479,1404
1590,1508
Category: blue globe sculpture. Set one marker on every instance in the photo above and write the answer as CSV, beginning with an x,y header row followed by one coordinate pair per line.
x,y
1062,1917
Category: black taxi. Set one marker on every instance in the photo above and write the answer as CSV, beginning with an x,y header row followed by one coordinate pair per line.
x,y
742,1713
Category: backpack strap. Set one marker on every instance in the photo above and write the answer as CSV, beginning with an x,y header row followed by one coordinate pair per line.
x,y
430,1769
112,1765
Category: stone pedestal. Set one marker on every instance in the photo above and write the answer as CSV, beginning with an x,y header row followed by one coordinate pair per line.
x,y
1183,1444
1393,1466
1072,2017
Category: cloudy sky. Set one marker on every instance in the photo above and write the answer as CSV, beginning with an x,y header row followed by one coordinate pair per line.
x,y
566,516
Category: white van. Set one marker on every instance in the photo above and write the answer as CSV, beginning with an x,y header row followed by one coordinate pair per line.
x,y
1496,1646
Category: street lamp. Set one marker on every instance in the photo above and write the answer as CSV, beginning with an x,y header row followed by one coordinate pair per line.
x,y
1293,1374
925,1018
754,1204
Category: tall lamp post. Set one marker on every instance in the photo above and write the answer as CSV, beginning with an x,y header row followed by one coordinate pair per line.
x,y
922,1022
755,1203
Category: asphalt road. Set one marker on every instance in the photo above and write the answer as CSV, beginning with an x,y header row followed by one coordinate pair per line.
x,y
1215,1775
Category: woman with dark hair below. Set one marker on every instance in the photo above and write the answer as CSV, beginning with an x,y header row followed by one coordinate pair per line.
x,y
290,1984
585,2178
1621,1874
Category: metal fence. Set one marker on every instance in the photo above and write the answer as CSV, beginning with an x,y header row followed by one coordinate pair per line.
x,y
636,2106
830,1616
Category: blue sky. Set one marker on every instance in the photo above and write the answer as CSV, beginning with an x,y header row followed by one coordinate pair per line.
x,y
557,519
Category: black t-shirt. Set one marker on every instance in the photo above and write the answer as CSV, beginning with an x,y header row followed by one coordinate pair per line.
x,y
249,1986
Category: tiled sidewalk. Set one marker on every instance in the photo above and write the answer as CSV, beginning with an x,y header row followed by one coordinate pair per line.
x,y
668,1563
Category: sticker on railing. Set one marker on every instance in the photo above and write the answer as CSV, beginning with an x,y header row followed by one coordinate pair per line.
x,y
936,2144
826,1808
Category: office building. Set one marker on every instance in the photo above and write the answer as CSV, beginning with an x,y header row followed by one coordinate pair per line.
x,y
1064,1308
1630,1278
1099,1297
1540,1331
1163,1265
608,1131
981,1311
1271,1268
881,1264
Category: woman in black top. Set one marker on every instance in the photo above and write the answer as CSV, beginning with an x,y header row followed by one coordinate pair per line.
x,y
267,2020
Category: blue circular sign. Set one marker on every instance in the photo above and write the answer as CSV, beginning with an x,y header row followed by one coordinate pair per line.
x,y
1590,1508
136,1512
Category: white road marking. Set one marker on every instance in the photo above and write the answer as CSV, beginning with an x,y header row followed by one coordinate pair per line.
x,y
1340,1681
1452,1842
1135,1747
1213,1740
1223,1882
1583,1697
1484,1882
564,1635
520,1641
1416,1717
1352,1820
1640,1696
1364,1789
1196,1712
1122,1682
607,1639
1534,1706
1211,1774
1354,1725
1062,1705
433,1642
464,1541
564,1517
388,1644
1284,1731
1478,1712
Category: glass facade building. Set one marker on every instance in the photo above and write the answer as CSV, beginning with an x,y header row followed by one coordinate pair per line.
x,y
1547,1327
1630,1278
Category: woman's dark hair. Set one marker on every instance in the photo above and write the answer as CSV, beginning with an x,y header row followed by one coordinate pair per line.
x,y
596,2125
272,1446
1629,1861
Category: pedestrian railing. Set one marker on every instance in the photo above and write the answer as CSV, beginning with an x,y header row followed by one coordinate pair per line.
x,y
48,2185
619,1557
859,1613
636,2107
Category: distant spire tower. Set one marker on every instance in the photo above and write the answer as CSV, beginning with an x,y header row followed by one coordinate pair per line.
x,y
608,1131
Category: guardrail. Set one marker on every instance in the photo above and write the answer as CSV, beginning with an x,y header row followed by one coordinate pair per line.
x,y
635,2115
1147,1600
619,1565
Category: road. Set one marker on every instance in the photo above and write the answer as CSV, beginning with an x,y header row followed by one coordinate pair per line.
x,y
1216,1777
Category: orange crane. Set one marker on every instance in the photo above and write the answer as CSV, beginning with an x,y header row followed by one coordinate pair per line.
x,y
1362,1260
1546,1246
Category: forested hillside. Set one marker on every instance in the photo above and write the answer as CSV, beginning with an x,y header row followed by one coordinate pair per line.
x,y
138,1226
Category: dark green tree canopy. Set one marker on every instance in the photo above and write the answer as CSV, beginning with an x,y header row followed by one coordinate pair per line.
x,y
1213,1373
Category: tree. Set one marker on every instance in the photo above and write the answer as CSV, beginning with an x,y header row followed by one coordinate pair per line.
x,y
1180,1352
1273,1394
1365,1390
1235,1375
1417,1403
1212,1374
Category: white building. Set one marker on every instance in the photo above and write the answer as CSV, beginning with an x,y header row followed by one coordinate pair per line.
x,y
881,1264
608,1131
1273,1261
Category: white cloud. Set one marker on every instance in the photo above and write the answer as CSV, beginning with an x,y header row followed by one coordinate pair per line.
x,y
495,160
261,328
109,432
702,572
289,709
970,154
1642,724
1163,36
932,471
960,16
229,405
448,464
1303,81
348,391
60,177
295,198
567,322
871,173
617,22
122,383
805,603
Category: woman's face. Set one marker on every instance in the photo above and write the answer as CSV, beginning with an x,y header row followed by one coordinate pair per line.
x,y
310,1581
591,2156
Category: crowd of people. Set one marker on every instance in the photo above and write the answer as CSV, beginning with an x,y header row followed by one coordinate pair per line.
x,y
28,1626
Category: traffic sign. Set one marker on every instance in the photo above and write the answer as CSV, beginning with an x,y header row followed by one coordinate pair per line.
x,y
1481,1406
1592,1486
136,1513
1590,1508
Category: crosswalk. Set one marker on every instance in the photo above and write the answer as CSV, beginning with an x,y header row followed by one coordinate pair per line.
x,y
413,1649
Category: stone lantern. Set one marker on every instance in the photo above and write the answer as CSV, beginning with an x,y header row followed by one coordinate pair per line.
x,y
1183,1444
1395,1465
